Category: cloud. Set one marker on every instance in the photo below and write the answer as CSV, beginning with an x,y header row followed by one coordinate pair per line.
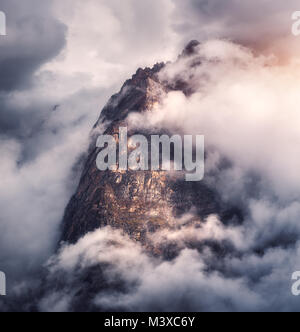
x,y
123,277
147,283
262,25
258,135
34,37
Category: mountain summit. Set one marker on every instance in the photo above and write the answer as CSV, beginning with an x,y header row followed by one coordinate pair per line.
x,y
137,202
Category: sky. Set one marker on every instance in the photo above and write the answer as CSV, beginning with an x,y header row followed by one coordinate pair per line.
x,y
60,62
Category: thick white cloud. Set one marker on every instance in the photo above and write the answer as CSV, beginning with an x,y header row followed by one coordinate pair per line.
x,y
109,40
196,280
246,106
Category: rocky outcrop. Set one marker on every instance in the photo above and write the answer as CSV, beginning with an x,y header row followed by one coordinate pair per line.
x,y
137,202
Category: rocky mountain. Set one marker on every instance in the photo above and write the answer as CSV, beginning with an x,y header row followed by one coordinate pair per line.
x,y
139,202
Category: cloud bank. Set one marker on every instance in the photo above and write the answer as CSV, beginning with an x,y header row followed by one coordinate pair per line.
x,y
107,271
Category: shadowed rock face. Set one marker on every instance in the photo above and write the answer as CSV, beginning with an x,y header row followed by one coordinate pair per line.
x,y
138,202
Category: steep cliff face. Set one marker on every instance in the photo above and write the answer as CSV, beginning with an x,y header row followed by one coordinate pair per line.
x,y
138,202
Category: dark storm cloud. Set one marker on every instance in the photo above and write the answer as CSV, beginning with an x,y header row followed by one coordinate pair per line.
x,y
20,121
34,134
34,37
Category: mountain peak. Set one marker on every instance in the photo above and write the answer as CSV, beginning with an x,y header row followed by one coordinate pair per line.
x,y
139,203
